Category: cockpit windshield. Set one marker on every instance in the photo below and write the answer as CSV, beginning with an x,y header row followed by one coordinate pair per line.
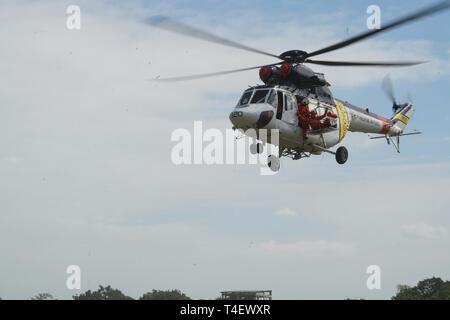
x,y
245,98
258,96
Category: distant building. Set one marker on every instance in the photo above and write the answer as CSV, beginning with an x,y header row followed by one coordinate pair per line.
x,y
247,295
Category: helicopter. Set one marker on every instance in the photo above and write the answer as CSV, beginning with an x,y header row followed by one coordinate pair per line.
x,y
298,101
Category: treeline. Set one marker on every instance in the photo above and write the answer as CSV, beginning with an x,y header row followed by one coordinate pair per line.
x,y
109,293
428,289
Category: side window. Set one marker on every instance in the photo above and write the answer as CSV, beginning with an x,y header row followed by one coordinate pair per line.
x,y
293,103
272,99
289,102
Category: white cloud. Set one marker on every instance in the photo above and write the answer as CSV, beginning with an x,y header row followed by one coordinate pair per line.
x,y
286,212
424,231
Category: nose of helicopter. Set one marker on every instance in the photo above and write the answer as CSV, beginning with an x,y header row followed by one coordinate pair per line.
x,y
244,119
250,117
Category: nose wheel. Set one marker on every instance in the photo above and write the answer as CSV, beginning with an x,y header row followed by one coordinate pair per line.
x,y
256,148
341,155
273,162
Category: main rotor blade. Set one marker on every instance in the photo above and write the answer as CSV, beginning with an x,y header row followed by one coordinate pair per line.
x,y
212,74
364,64
184,29
391,25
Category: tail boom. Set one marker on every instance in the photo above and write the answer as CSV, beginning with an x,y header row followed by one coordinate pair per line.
x,y
362,120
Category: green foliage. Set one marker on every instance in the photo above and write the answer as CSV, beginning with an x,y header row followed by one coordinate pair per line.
x,y
43,296
164,295
428,289
103,293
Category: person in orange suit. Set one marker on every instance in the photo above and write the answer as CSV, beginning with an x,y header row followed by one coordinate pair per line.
x,y
309,119
303,115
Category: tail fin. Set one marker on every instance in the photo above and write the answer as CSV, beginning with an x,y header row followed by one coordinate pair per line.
x,y
401,116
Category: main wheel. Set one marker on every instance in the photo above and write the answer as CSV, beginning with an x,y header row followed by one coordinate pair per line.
x,y
273,162
256,148
341,155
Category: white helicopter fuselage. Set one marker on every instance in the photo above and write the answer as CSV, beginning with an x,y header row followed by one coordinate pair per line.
x,y
248,115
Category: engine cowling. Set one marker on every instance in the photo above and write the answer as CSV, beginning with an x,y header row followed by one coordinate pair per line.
x,y
299,75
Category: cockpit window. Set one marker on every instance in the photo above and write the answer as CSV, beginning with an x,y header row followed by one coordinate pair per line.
x,y
253,96
272,98
260,96
245,98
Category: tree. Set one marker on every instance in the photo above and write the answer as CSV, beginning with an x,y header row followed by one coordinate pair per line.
x,y
428,289
406,293
43,296
103,293
164,295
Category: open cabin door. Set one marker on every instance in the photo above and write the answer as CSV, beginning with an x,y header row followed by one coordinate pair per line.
x,y
290,108
280,105
286,107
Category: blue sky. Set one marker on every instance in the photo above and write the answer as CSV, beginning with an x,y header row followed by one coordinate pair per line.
x,y
87,177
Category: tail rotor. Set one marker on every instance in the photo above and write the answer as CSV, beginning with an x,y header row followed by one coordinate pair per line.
x,y
388,89
402,114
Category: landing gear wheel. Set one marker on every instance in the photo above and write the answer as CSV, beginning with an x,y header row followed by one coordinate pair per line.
x,y
273,162
341,155
256,148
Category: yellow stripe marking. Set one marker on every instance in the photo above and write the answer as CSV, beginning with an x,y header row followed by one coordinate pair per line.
x,y
402,118
343,119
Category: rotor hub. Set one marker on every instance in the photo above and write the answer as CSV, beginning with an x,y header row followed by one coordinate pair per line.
x,y
294,56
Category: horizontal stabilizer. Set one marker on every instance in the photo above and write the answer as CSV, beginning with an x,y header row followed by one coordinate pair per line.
x,y
401,135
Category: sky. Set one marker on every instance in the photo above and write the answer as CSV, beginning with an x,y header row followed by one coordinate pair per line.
x,y
86,177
